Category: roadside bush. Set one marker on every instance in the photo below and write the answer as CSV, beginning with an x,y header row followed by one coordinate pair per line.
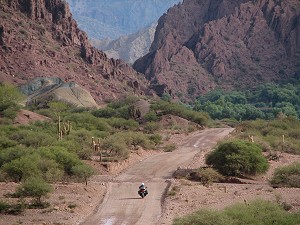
x,y
13,209
156,138
256,212
169,147
287,176
34,187
83,172
206,176
236,158
4,206
115,147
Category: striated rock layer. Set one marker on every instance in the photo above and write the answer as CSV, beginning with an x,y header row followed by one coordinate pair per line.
x,y
201,45
39,38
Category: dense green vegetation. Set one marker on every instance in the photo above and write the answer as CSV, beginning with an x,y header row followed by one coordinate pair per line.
x,y
258,212
235,158
269,134
264,102
287,176
37,150
9,99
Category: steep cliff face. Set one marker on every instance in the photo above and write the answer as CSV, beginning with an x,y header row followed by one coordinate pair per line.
x,y
200,45
39,38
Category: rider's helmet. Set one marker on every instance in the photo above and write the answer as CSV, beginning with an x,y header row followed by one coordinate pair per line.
x,y
142,184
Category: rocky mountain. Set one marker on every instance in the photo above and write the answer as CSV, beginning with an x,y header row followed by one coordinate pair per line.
x,y
128,47
41,39
115,18
201,45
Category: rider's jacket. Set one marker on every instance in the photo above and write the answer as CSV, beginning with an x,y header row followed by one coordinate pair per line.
x,y
142,187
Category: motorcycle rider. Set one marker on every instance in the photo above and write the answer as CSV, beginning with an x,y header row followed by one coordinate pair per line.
x,y
143,187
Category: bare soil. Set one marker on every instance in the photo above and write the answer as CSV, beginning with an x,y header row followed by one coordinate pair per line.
x,y
111,198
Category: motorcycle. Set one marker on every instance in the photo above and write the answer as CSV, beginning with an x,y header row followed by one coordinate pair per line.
x,y
143,192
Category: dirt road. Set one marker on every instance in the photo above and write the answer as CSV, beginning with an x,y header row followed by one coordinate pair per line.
x,y
123,206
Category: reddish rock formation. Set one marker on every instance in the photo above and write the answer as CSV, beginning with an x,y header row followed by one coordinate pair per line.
x,y
201,45
39,38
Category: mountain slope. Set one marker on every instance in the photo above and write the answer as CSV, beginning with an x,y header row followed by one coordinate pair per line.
x,y
41,39
201,45
129,47
115,18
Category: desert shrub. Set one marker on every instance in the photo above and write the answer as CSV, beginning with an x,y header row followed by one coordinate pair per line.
x,y
287,176
156,138
5,142
51,171
83,172
4,206
151,127
182,111
206,176
9,154
13,209
104,113
78,142
169,147
174,191
66,159
33,139
256,212
151,117
124,124
115,147
34,187
238,158
271,133
22,168
9,97
87,121
11,112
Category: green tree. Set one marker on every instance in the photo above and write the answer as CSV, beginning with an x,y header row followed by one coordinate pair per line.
x,y
9,95
34,187
57,108
236,158
83,171
23,168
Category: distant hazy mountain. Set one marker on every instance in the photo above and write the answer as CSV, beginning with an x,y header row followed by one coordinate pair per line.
x,y
113,18
128,47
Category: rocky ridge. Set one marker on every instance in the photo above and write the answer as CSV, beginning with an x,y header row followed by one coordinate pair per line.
x,y
41,39
114,18
128,47
201,45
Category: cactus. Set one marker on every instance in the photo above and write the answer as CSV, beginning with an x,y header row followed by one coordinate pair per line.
x,y
96,147
63,129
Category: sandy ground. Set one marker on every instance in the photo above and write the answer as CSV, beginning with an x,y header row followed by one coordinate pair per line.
x,y
111,198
